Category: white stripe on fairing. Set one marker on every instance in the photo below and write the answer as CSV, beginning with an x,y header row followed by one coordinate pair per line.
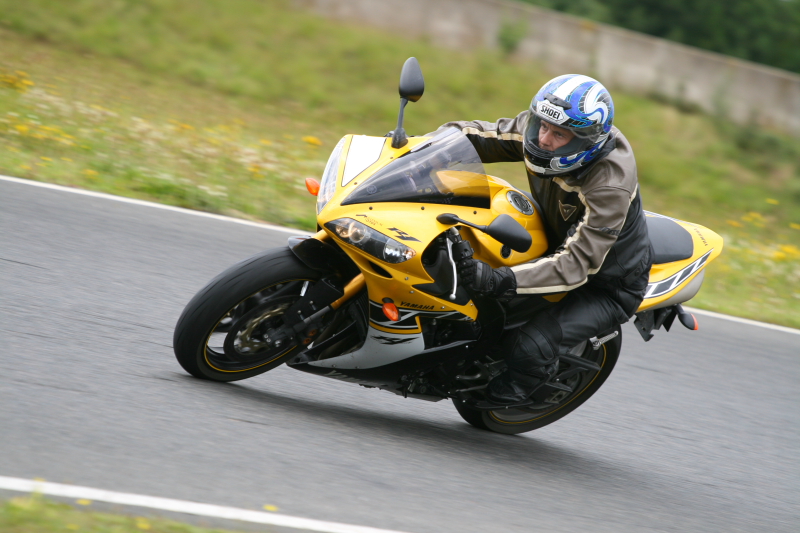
x,y
363,152
299,231
181,506
144,203
375,352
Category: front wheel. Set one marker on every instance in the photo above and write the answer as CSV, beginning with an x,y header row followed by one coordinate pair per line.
x,y
221,332
583,383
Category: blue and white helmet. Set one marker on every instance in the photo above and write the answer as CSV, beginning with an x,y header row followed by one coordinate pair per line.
x,y
575,102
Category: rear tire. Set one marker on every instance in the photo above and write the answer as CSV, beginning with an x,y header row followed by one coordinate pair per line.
x,y
254,291
514,421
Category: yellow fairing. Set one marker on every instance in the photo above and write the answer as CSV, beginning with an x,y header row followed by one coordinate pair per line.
x,y
415,224
667,280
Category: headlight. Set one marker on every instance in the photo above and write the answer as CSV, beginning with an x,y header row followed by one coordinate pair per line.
x,y
374,243
328,185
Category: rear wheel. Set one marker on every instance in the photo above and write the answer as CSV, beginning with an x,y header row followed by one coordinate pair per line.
x,y
221,332
583,383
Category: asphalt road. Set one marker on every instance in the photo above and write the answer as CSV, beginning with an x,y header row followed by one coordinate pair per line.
x,y
694,431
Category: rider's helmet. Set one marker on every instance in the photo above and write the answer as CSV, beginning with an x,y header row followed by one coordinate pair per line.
x,y
578,103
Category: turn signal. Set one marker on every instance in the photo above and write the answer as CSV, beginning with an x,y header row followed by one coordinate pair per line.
x,y
687,319
390,310
313,186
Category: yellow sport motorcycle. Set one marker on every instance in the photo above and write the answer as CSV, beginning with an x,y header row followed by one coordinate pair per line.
x,y
373,298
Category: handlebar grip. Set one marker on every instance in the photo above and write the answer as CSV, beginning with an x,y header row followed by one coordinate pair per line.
x,y
462,250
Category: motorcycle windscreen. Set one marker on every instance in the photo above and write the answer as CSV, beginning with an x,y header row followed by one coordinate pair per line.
x,y
444,170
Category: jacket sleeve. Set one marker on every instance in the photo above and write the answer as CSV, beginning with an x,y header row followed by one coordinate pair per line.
x,y
495,142
584,250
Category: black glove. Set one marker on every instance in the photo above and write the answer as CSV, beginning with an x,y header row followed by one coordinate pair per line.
x,y
482,279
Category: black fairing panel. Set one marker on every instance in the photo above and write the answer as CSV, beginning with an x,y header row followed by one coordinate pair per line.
x,y
670,241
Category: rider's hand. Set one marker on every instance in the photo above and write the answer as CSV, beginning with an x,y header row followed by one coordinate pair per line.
x,y
482,279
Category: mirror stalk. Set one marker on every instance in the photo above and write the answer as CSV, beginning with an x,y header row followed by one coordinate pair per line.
x,y
451,219
503,229
399,137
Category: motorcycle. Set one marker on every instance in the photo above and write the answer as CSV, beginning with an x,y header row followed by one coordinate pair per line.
x,y
373,297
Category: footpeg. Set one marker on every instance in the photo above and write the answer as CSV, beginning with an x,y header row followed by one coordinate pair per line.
x,y
597,343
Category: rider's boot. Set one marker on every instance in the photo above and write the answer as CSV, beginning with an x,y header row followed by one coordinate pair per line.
x,y
531,353
513,387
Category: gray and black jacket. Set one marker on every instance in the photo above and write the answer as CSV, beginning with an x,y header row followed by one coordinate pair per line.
x,y
594,218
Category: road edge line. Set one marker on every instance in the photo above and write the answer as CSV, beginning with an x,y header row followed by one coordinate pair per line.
x,y
285,229
749,322
181,506
155,205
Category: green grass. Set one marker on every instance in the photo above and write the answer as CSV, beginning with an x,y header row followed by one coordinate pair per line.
x,y
35,514
227,105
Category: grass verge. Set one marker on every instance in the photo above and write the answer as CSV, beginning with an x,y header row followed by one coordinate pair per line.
x,y
227,106
35,514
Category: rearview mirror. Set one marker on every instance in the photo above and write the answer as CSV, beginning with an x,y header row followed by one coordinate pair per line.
x,y
508,231
412,84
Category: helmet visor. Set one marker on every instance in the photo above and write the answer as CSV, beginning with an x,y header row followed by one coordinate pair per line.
x,y
534,130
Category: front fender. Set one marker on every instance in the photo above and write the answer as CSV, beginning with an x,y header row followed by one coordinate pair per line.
x,y
323,256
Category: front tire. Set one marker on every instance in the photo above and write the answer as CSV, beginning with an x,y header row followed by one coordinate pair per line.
x,y
219,334
584,384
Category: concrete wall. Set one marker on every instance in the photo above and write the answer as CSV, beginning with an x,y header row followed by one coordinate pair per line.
x,y
622,59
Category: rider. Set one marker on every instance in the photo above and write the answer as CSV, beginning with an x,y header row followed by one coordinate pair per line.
x,y
582,173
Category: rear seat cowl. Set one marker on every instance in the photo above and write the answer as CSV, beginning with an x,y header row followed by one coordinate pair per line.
x,y
671,242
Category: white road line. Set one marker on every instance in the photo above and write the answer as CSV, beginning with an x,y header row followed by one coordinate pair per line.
x,y
180,506
297,231
133,201
747,321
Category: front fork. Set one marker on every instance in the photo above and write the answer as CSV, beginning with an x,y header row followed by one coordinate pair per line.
x,y
323,298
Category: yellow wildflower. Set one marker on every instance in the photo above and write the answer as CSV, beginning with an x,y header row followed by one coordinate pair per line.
x,y
66,159
772,201
752,216
25,167
72,527
265,142
83,501
778,256
186,127
790,249
794,226
270,508
22,128
310,139
142,523
734,223
90,172
46,158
